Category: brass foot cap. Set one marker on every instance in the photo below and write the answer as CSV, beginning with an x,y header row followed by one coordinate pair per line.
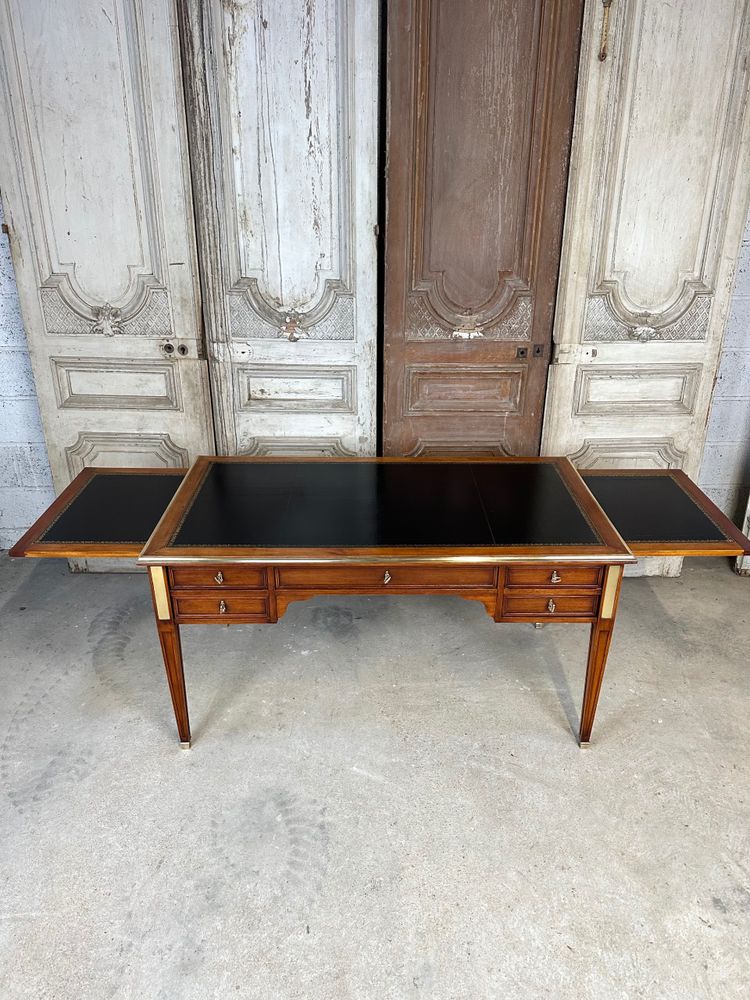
x,y
581,745
185,746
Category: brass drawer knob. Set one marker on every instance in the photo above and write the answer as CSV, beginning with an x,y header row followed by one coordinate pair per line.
x,y
222,608
551,606
555,578
219,577
387,577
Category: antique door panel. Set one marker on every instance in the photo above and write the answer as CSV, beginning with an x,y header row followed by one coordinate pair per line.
x,y
94,179
283,107
480,108
659,187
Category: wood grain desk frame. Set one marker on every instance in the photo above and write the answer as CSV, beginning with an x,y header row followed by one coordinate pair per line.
x,y
222,585
33,544
734,542
533,583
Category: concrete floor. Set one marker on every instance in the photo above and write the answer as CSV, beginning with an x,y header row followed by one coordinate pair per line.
x,y
384,799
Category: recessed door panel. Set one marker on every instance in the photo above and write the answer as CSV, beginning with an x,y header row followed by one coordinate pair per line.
x,y
283,112
659,187
95,183
480,104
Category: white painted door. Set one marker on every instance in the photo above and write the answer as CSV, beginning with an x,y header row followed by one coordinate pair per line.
x,y
658,194
282,108
94,178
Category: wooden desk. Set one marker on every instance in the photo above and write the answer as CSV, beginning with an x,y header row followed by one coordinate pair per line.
x,y
240,539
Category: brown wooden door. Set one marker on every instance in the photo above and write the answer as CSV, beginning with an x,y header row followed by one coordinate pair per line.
x,y
480,109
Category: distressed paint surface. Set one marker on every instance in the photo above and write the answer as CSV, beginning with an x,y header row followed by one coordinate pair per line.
x,y
98,163
25,480
282,107
284,65
93,169
664,173
658,196
725,470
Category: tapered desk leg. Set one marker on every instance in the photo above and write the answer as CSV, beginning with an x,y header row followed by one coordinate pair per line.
x,y
169,637
601,637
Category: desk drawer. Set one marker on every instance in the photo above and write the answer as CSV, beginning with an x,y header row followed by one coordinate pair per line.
x,y
374,578
218,577
231,606
545,607
550,575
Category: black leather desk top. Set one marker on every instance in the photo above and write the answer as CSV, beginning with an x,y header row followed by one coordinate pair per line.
x,y
114,508
362,504
647,508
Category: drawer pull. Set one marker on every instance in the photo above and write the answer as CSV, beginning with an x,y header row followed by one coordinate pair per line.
x,y
561,575
222,608
354,578
208,577
537,607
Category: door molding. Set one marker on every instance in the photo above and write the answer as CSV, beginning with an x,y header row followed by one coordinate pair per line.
x,y
285,206
657,201
480,112
688,253
96,191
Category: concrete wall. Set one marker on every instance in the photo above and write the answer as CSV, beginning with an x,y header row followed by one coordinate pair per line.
x,y
25,481
725,472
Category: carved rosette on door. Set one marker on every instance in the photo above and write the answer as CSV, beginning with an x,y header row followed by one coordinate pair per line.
x,y
475,189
